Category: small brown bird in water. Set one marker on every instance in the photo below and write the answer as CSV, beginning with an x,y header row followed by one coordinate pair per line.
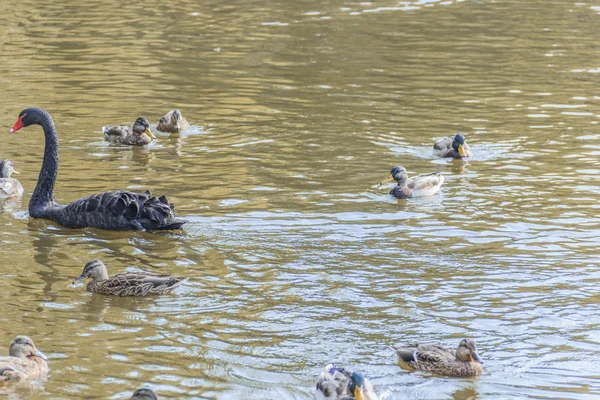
x,y
24,361
173,122
336,383
456,147
464,361
126,283
138,135
9,187
422,185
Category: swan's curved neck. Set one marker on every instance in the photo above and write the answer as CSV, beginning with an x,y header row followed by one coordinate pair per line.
x,y
43,195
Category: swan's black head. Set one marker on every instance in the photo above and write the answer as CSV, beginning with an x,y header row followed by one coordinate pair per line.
x,y
7,168
30,116
144,394
396,174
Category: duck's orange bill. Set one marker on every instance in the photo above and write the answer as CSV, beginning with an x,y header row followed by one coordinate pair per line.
x,y
18,125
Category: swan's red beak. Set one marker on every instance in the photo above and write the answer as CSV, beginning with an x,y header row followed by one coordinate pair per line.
x,y
18,125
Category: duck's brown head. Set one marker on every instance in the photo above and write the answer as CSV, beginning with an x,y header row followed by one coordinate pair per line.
x,y
7,168
23,347
467,351
95,270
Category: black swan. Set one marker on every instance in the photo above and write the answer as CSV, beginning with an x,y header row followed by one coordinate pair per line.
x,y
120,210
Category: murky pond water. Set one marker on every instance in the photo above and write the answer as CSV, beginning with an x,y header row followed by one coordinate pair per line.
x,y
296,257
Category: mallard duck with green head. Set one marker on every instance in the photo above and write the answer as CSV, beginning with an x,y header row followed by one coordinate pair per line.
x,y
464,361
139,283
173,122
336,383
9,187
422,185
138,135
454,147
144,394
24,362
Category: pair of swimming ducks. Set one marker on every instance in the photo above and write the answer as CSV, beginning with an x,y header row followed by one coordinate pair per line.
x,y
140,134
427,184
25,362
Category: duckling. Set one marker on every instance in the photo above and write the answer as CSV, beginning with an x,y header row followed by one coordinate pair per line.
x,y
173,121
464,361
139,135
9,187
126,283
456,147
422,185
336,383
144,394
24,361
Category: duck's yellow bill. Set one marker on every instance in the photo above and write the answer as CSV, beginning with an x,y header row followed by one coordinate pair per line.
x,y
16,172
461,150
358,393
149,133
390,178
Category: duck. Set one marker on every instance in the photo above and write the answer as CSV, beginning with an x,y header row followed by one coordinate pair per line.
x,y
139,283
144,394
464,361
114,210
24,362
454,147
336,383
173,122
138,135
422,185
9,187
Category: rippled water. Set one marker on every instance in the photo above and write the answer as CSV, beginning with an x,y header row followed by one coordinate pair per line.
x,y
296,257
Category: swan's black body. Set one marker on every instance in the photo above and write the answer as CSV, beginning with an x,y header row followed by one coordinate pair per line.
x,y
119,210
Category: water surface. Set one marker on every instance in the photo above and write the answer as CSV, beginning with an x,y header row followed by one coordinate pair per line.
x,y
296,256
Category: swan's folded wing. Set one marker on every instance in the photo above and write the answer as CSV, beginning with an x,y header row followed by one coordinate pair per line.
x,y
126,204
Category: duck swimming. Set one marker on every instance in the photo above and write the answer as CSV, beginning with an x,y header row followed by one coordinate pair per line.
x,y
118,210
138,135
456,147
336,383
126,283
144,394
9,187
422,185
24,361
173,122
464,361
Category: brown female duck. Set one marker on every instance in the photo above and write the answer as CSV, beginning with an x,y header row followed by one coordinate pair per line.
x,y
9,187
24,361
337,383
173,121
126,283
464,361
138,135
